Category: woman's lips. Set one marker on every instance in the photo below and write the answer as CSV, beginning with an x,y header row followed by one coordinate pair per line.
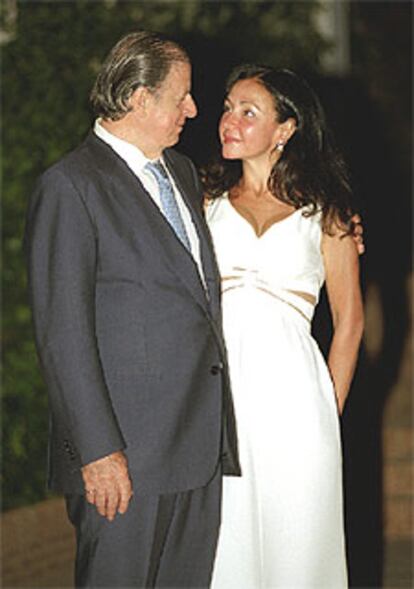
x,y
230,139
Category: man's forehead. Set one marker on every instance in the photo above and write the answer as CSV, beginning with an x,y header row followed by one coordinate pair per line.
x,y
178,78
179,69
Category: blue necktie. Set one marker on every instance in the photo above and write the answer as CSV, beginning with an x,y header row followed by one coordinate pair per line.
x,y
169,204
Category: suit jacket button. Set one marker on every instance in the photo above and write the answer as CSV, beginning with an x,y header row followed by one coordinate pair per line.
x,y
217,368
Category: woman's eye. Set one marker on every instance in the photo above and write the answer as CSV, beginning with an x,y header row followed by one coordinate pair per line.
x,y
248,113
226,108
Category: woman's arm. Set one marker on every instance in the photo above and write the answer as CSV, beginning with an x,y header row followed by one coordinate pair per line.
x,y
345,300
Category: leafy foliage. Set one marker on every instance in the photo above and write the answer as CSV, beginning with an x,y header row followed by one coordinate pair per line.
x,y
47,71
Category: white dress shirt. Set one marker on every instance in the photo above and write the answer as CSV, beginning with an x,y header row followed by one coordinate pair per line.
x,y
136,161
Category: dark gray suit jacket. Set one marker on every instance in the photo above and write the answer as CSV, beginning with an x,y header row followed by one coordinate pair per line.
x,y
130,346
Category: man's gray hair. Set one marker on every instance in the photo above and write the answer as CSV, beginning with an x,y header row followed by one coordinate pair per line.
x,y
139,59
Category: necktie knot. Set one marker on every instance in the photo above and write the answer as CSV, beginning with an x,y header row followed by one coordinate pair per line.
x,y
158,170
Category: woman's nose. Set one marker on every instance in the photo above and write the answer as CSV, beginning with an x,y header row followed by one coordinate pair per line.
x,y
230,119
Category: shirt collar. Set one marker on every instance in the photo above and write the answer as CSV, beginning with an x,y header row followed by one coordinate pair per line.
x,y
131,154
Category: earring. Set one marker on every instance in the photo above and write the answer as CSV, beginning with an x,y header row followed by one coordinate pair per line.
x,y
280,146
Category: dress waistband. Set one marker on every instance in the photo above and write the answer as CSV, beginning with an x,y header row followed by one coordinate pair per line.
x,y
244,277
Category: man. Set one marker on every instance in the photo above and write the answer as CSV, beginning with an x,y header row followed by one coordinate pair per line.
x,y
125,297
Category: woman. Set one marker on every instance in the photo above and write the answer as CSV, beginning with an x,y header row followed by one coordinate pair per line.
x,y
280,216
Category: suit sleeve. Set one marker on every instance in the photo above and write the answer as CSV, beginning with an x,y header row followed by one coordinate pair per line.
x,y
61,245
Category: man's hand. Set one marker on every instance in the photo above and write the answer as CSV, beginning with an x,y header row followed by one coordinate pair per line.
x,y
107,484
358,233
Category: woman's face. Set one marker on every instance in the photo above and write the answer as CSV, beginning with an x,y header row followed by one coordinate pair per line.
x,y
248,128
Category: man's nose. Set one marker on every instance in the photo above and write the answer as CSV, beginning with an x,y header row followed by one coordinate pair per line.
x,y
190,108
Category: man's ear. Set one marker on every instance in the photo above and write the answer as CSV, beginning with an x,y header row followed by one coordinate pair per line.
x,y
140,99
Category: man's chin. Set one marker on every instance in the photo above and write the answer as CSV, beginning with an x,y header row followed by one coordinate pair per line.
x,y
174,140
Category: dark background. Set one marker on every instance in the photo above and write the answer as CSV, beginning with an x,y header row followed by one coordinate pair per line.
x,y
50,54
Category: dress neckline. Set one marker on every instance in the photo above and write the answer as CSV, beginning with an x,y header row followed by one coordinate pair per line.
x,y
243,218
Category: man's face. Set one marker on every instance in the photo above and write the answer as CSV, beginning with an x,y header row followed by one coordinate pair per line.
x,y
169,107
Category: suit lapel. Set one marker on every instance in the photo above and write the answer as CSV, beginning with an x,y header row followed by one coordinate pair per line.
x,y
208,261
169,246
174,252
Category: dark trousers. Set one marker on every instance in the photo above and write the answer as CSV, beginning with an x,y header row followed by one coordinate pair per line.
x,y
162,541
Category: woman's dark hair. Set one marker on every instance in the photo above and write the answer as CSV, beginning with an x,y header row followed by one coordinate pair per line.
x,y
310,171
139,59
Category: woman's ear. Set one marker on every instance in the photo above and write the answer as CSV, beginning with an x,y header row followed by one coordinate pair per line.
x,y
283,133
287,129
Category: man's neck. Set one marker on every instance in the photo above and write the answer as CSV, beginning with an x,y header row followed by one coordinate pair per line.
x,y
125,129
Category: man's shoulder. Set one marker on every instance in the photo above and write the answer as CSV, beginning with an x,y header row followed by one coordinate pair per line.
x,y
83,159
183,167
83,170
178,159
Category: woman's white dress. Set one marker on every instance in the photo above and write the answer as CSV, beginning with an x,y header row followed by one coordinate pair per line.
x,y
282,521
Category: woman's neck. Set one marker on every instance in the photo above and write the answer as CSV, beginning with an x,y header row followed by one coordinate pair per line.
x,y
255,178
